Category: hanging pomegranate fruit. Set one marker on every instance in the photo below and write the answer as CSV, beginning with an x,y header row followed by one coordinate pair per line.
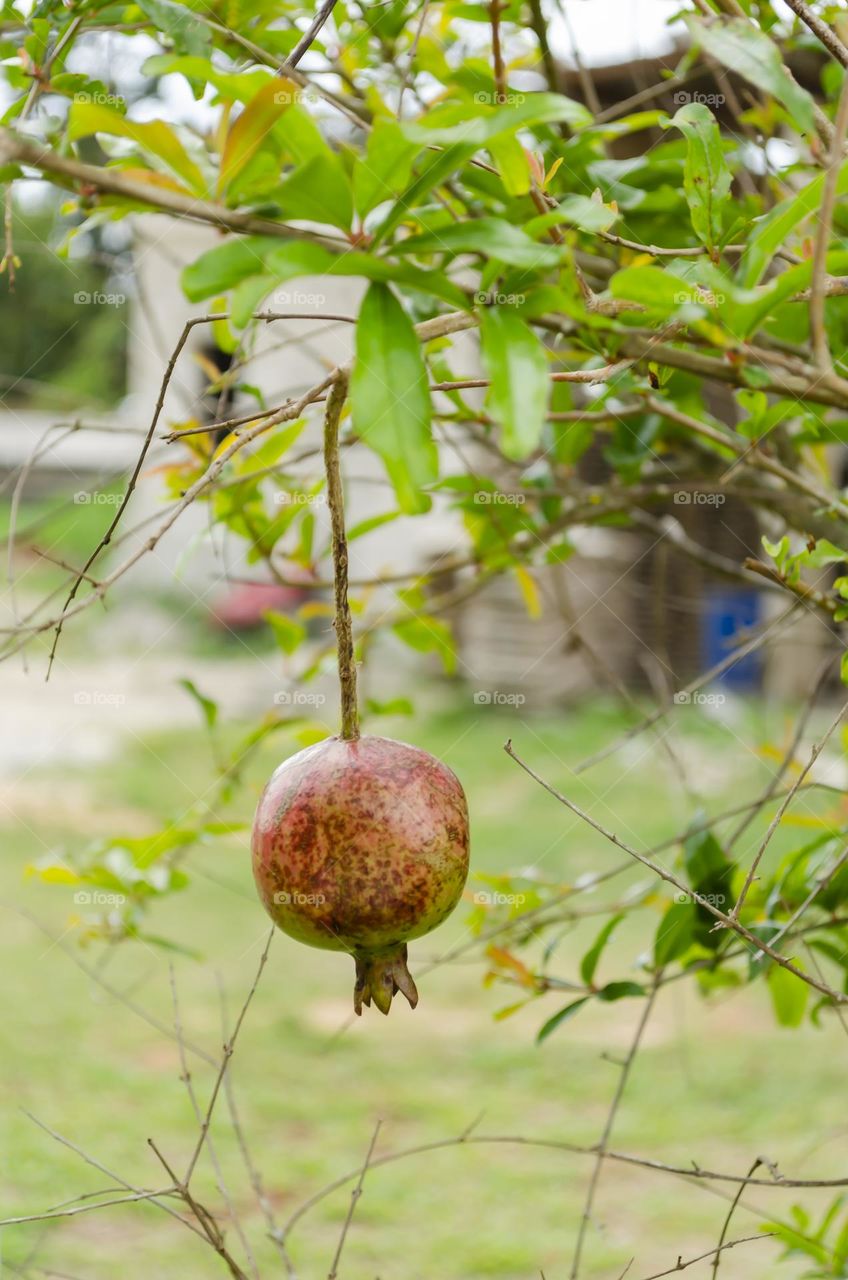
x,y
360,843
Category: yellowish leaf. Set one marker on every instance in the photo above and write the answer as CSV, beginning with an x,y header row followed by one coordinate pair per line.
x,y
154,136
246,134
55,873
155,179
529,591
552,172
506,960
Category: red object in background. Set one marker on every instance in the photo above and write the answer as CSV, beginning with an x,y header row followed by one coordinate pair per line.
x,y
244,606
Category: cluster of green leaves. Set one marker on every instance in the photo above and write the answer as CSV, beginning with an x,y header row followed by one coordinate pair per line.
x,y
687,940
822,1246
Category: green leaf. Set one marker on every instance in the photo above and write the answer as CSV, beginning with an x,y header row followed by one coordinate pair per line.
x,y
620,991
255,264
240,87
390,397
153,136
788,995
706,177
675,933
589,963
288,632
383,172
736,43
559,1018
490,236
394,707
744,318
208,707
228,264
710,874
434,168
318,191
250,129
508,155
773,229
469,124
518,369
656,289
179,23
704,858
428,635
362,527
585,213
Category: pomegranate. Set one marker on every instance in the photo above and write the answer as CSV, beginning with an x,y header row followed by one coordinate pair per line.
x,y
360,845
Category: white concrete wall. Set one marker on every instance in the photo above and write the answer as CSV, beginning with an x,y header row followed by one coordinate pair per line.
x,y
290,357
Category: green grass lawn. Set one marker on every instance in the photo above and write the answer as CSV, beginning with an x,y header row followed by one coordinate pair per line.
x,y
716,1082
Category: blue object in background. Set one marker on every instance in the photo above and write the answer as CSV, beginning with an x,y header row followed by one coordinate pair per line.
x,y
727,611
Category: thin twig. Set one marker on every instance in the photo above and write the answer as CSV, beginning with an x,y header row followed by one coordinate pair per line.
x,y
253,1174
227,1053
726,1225
758,944
189,326
354,1200
680,1265
52,1214
623,1078
788,755
309,36
691,1172
818,329
101,1168
213,1155
208,1226
818,747
499,70
335,500
819,28
14,148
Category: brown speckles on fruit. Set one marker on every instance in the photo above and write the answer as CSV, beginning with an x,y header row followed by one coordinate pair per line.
x,y
362,845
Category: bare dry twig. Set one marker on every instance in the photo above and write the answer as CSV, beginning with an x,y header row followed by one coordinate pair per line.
x,y
354,1200
623,1078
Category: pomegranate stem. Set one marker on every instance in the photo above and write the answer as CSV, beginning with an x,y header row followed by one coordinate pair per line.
x,y
335,500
